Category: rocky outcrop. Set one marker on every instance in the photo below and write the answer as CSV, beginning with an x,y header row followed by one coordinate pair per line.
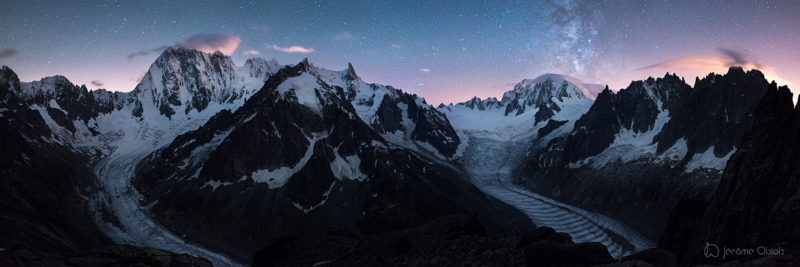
x,y
108,101
550,127
477,103
756,202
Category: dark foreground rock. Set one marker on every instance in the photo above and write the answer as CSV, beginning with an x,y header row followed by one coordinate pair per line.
x,y
455,240
115,255
755,207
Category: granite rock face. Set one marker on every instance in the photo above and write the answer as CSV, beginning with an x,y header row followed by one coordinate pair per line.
x,y
716,113
757,199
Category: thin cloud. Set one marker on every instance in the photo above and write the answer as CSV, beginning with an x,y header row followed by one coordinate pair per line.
x,y
728,58
7,53
345,35
131,56
263,29
251,52
207,42
425,70
294,49
97,83
395,46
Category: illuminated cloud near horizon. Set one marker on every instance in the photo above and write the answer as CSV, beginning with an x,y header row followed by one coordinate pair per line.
x,y
211,42
293,49
702,65
208,42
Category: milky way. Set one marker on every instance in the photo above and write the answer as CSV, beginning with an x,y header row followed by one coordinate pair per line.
x,y
574,28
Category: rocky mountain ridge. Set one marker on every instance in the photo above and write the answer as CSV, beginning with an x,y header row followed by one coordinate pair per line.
x,y
646,145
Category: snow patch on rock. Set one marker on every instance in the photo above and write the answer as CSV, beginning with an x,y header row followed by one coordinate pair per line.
x,y
279,176
708,160
305,89
347,167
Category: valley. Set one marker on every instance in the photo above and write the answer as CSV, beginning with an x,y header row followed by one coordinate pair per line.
x,y
274,152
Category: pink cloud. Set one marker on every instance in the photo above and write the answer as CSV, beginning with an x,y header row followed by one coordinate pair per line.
x,y
210,42
701,65
293,49
261,28
206,42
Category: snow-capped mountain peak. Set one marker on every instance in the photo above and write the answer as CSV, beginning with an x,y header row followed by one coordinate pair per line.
x,y
546,86
527,108
260,68
304,89
402,118
182,80
43,88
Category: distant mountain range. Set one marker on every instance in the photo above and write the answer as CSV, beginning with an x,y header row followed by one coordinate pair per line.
x,y
219,161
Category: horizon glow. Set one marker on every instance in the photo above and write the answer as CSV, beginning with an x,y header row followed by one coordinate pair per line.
x,y
443,51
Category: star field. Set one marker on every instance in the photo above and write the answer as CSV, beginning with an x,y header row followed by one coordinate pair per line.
x,y
446,51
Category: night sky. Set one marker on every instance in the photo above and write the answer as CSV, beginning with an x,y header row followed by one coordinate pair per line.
x,y
445,51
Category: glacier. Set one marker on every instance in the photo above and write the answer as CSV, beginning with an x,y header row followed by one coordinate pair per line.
x,y
488,162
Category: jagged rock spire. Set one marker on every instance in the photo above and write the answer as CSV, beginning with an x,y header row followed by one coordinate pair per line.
x,y
351,73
